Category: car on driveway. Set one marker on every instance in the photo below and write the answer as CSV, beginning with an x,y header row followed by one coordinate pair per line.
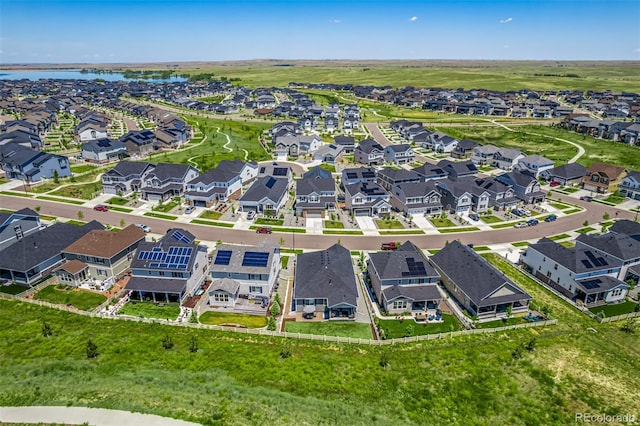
x,y
554,183
474,216
101,208
517,212
520,225
533,222
144,227
251,215
189,210
550,218
586,198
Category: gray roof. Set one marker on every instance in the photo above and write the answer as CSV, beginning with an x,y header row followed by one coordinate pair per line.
x,y
139,137
391,174
368,145
326,274
311,185
317,172
430,171
536,159
577,259
426,292
42,245
393,264
225,284
237,257
417,189
568,171
467,144
164,244
476,277
155,284
599,284
621,246
103,145
221,175
460,168
368,188
516,178
164,171
128,168
266,187
401,147
626,226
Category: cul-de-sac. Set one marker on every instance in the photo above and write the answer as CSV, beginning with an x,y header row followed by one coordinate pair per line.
x,y
307,241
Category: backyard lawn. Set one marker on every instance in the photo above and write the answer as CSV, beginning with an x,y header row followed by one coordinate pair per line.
x,y
333,328
150,310
394,328
616,309
226,318
81,299
12,289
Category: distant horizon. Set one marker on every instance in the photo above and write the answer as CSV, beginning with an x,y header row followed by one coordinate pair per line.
x,y
170,31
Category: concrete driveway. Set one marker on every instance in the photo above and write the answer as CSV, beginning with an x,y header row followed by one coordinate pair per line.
x,y
367,225
313,225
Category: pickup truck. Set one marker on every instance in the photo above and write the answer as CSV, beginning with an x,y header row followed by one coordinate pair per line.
x,y
389,246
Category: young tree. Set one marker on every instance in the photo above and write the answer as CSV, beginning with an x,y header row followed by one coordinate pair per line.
x,y
92,349
80,215
56,177
167,342
271,323
193,345
277,299
46,330
37,209
275,309
122,223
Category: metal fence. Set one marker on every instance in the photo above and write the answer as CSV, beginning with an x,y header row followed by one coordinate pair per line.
x,y
264,332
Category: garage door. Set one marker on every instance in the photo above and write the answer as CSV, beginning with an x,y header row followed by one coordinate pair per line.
x,y
361,212
314,215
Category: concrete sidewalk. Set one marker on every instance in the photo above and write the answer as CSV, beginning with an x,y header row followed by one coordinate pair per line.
x,y
80,415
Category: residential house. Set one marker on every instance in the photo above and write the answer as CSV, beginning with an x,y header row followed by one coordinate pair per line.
x,y
458,196
429,171
366,199
267,195
21,137
350,123
533,165
315,195
443,143
399,154
29,165
354,175
168,270
417,198
464,148
329,153
507,158
331,124
166,181
626,226
36,255
566,174
483,154
99,256
125,177
14,226
347,143
477,285
103,150
294,146
630,185
458,169
277,170
526,187
217,185
139,143
243,272
369,152
602,178
90,129
388,177
325,284
403,280
501,195
578,272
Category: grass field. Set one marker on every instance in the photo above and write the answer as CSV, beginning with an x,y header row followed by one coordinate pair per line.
x,y
244,320
85,191
394,328
617,309
60,200
333,224
212,223
80,299
160,216
150,310
388,224
209,214
13,289
442,222
356,330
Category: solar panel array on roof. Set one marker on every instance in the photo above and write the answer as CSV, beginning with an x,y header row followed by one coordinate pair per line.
x,y
179,236
368,175
279,171
415,268
586,263
223,257
270,182
591,284
352,175
597,261
254,258
174,258
104,143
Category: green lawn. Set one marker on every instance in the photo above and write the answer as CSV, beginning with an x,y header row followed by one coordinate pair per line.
x,y
160,216
501,322
76,222
331,328
225,318
333,224
572,211
394,328
521,244
165,207
567,244
212,99
585,230
340,231
16,194
60,200
80,299
491,219
616,309
559,237
150,310
85,191
402,232
388,224
211,223
284,261
329,167
13,289
270,222
209,214
459,229
617,197
503,225
442,222
82,168
118,201
120,209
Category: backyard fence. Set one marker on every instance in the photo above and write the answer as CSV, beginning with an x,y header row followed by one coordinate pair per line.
x,y
618,317
288,335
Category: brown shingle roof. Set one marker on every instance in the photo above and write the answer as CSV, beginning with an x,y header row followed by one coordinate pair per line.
x,y
611,171
105,244
73,266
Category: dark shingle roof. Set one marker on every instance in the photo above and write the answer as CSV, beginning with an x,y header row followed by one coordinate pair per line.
x,y
128,168
266,187
392,264
415,292
626,226
621,246
569,171
326,274
164,171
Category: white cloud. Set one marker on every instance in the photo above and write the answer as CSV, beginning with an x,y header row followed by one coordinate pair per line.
x,y
413,19
504,21
335,21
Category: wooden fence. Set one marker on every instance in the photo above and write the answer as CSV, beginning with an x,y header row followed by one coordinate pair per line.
x,y
617,317
264,332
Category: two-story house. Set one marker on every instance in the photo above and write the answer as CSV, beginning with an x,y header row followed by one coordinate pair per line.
x,y
501,195
139,143
388,177
217,185
403,280
507,158
399,154
315,195
125,177
103,150
565,174
602,178
29,165
630,185
367,199
417,198
16,225
457,196
526,187
167,180
353,175
533,165
369,152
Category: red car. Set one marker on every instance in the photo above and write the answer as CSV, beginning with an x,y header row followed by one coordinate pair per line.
x,y
264,230
101,208
554,183
389,246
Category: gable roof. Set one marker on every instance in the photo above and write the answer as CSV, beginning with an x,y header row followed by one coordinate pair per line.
x,y
395,265
577,259
609,170
568,171
310,185
369,145
326,274
266,187
317,172
105,244
237,256
621,246
476,277
401,147
164,171
128,168
626,226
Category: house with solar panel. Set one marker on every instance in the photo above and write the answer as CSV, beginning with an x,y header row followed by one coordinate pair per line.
x,y
315,194
243,273
592,272
168,270
276,170
369,152
325,285
367,199
403,280
476,285
355,175
167,180
266,195
103,150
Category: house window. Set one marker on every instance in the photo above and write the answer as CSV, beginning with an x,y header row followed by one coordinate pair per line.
x,y
549,274
219,297
555,267
102,272
400,304
255,289
18,230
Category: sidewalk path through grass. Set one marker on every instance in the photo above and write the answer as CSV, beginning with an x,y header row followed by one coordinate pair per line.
x,y
82,415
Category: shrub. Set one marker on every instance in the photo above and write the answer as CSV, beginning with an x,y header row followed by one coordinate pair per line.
x,y
384,360
46,330
92,349
167,342
275,309
193,345
285,351
271,324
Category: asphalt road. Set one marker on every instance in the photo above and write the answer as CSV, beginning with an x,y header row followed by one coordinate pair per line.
x,y
593,214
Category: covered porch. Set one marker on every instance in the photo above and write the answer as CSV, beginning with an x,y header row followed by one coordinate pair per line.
x,y
157,290
600,290
74,273
415,298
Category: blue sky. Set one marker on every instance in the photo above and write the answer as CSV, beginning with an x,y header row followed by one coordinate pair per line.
x,y
199,30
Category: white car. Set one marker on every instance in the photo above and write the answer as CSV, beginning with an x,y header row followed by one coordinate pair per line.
x,y
144,227
189,210
251,215
520,225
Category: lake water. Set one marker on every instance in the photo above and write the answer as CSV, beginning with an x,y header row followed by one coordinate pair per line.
x,y
75,75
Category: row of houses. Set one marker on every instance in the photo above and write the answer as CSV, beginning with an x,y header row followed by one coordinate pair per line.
x,y
614,130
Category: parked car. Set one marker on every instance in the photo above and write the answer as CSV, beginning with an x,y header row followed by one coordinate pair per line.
x,y
554,183
526,212
251,215
264,230
517,212
474,216
586,198
520,225
101,208
144,227
550,218
533,222
389,246
189,210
